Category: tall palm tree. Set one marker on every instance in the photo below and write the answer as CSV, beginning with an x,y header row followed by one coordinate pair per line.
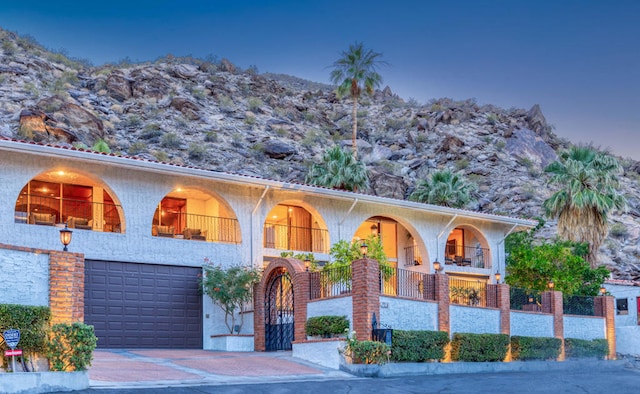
x,y
339,170
588,193
444,188
354,73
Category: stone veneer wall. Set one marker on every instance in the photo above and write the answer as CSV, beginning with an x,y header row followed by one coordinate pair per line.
x,y
25,277
584,327
531,324
403,314
474,320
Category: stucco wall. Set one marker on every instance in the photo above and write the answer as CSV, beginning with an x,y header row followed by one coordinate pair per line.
x,y
341,306
631,294
474,320
531,324
25,278
628,340
404,314
584,327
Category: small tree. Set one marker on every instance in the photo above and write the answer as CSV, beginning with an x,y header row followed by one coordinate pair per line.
x,y
344,252
230,288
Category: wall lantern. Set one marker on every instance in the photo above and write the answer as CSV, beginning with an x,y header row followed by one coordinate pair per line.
x,y
551,285
437,266
498,276
65,237
374,229
364,249
307,264
603,290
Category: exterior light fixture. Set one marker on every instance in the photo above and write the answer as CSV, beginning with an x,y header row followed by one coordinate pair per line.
x,y
551,285
498,276
437,266
374,229
65,237
603,290
307,263
364,249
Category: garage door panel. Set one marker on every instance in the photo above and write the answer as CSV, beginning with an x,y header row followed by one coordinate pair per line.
x,y
143,305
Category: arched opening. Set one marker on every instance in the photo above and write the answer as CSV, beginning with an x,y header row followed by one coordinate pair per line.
x,y
466,247
292,227
192,214
279,311
61,196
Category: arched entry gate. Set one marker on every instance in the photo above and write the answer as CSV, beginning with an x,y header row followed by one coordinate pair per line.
x,y
278,312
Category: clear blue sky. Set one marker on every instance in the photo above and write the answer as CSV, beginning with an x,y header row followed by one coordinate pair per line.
x,y
578,59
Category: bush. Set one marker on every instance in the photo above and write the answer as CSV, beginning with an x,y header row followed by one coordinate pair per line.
x,y
418,346
479,347
171,140
326,326
32,321
366,352
533,348
578,348
71,347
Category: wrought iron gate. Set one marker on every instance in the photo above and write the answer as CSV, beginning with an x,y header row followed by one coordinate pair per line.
x,y
278,311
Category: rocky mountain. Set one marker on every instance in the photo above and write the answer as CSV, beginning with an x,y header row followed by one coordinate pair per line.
x,y
213,115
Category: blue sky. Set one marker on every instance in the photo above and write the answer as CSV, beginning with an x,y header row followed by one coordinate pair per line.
x,y
580,60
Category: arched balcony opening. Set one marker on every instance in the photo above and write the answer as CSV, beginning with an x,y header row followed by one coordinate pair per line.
x,y
191,214
65,197
466,247
290,227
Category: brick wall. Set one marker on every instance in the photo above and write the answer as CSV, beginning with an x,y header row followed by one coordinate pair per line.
x,y
605,307
365,295
66,287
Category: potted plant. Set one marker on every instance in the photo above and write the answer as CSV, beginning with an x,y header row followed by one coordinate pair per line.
x,y
230,288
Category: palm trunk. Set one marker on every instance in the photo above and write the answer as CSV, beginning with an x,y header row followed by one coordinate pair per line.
x,y
354,116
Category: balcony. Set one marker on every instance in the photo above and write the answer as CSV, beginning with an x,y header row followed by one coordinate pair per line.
x,y
198,228
467,256
412,256
78,214
300,239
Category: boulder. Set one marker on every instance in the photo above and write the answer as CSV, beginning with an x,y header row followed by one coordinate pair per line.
x,y
187,107
118,87
184,71
278,149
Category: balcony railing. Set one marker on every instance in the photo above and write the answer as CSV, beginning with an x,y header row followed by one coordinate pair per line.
x,y
199,228
466,292
408,284
79,214
468,256
302,239
412,256
330,282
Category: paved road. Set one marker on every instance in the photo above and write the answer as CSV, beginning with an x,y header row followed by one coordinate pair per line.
x,y
618,381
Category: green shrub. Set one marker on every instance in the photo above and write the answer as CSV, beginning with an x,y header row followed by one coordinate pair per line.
x,y
366,352
326,326
71,347
197,151
578,348
171,140
418,346
32,321
618,230
254,104
479,347
137,147
533,348
101,146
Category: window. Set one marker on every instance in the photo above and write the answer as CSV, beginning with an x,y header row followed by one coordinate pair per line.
x,y
622,306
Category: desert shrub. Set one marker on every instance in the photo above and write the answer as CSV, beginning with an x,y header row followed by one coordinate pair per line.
x,y
535,348
197,151
492,119
101,146
500,145
579,348
137,147
396,124
71,347
254,104
479,347
618,230
171,140
134,121
161,156
326,326
8,48
250,120
418,346
461,164
211,136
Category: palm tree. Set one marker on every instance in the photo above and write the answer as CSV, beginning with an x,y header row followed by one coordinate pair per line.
x,y
587,195
339,170
444,188
354,72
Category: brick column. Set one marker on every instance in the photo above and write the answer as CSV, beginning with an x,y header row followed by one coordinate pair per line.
x,y
552,303
301,299
365,291
442,297
66,287
503,301
259,343
604,306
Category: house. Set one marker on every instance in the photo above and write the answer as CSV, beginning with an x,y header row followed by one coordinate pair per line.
x,y
143,229
627,305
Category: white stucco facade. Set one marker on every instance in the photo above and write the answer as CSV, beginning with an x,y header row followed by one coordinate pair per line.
x,y
627,294
25,278
528,324
466,319
405,314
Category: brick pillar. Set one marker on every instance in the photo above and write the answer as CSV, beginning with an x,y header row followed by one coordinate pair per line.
x,y
503,300
66,287
259,343
604,306
552,303
442,297
301,299
365,275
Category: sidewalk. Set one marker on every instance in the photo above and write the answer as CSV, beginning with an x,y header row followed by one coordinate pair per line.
x,y
119,368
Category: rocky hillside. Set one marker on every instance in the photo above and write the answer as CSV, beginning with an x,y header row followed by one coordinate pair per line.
x,y
213,115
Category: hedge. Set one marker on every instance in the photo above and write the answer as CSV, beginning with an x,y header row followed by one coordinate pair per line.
x,y
578,348
33,323
326,326
418,346
535,348
479,347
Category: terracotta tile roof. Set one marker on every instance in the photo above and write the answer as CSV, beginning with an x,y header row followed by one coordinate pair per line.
x,y
623,282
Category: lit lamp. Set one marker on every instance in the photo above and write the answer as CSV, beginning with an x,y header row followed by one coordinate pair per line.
x,y
65,237
498,276
551,285
307,263
364,249
436,266
603,291
374,229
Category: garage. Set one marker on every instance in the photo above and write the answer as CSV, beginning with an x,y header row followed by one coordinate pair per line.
x,y
134,305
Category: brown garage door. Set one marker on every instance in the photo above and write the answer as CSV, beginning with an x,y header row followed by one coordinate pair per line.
x,y
135,305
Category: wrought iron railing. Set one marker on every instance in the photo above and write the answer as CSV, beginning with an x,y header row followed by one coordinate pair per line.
x,y
578,305
408,284
412,256
199,228
79,214
468,256
330,282
525,300
302,239
466,292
